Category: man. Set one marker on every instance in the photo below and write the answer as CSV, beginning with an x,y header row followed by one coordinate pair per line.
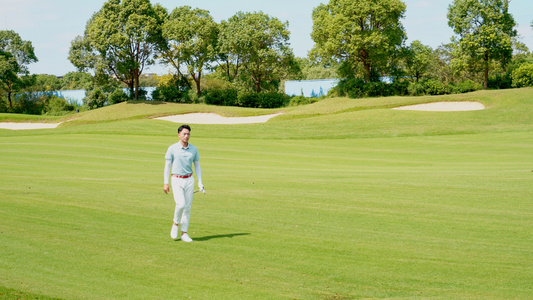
x,y
179,159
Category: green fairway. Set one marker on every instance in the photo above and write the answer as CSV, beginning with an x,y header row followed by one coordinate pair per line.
x,y
341,199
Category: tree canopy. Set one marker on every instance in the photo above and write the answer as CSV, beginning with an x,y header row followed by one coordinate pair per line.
x,y
120,40
256,45
358,33
484,30
15,56
190,40
417,60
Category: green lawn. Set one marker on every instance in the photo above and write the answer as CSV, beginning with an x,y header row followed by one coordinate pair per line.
x,y
341,199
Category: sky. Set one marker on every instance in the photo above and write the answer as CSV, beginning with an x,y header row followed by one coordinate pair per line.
x,y
51,25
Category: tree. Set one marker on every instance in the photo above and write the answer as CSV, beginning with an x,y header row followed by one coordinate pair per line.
x,y
256,46
120,40
15,55
191,36
76,81
362,33
417,60
484,29
316,70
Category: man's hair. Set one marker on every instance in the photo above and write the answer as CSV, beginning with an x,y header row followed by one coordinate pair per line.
x,y
184,127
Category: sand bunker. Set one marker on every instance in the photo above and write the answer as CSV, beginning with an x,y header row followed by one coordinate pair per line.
x,y
25,126
210,118
444,106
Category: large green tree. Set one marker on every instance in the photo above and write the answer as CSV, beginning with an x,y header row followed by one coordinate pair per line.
x,y
120,40
15,56
417,59
190,41
484,30
256,46
358,33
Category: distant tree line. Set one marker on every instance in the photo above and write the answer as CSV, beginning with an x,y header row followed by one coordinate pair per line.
x,y
245,59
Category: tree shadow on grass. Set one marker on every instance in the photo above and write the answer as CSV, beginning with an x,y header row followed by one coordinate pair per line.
x,y
231,235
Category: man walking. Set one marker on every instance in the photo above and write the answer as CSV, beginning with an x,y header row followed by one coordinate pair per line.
x,y
179,159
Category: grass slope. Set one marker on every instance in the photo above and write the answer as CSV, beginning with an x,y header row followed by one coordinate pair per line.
x,y
342,199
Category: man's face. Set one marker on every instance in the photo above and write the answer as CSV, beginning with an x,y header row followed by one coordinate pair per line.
x,y
184,135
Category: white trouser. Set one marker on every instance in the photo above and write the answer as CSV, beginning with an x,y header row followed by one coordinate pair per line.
x,y
183,189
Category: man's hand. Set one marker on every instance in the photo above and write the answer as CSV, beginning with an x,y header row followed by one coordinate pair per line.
x,y
166,188
201,188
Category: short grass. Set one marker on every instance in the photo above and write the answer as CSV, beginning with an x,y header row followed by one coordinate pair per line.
x,y
342,199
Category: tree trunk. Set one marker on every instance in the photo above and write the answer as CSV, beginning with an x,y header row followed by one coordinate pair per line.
x,y
9,92
486,80
197,80
136,82
366,65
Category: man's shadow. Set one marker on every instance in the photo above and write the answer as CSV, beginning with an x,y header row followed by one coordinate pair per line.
x,y
206,238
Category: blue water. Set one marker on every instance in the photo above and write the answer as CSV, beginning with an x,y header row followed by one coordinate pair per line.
x,y
76,96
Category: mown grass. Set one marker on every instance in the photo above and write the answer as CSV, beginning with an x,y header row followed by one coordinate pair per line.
x,y
336,200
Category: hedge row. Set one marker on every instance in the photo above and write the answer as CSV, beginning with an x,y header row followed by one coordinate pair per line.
x,y
357,88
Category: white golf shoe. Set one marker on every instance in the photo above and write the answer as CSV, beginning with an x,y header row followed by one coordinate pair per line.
x,y
186,238
174,232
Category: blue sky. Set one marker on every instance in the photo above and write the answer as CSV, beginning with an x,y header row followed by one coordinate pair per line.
x,y
52,24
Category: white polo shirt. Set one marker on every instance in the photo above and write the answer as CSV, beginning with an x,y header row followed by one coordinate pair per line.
x,y
182,158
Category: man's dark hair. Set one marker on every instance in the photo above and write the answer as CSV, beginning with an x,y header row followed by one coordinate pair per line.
x,y
184,127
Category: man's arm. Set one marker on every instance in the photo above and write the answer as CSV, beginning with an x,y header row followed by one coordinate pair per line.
x,y
198,171
168,164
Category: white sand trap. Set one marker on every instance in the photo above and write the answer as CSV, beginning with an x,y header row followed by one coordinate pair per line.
x,y
210,118
444,106
25,126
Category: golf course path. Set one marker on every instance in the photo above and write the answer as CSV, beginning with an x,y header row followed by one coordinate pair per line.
x,y
210,118
444,106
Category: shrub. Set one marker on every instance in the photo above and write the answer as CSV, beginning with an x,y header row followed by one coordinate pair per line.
x,y
504,81
226,97
56,106
523,76
95,98
399,88
172,88
375,89
273,100
263,100
416,89
117,96
29,103
468,86
301,100
435,87
353,88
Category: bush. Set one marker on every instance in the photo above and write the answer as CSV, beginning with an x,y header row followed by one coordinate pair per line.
x,y
29,103
226,97
353,88
4,106
375,89
468,86
301,100
263,100
523,76
172,88
504,81
399,88
117,96
435,87
95,99
416,89
56,106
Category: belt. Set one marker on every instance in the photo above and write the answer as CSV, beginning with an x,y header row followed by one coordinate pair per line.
x,y
182,176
